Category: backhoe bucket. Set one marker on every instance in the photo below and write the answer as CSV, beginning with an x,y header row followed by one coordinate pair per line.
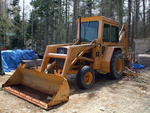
x,y
44,90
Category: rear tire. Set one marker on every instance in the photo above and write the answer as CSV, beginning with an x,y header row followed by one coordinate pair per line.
x,y
117,65
85,78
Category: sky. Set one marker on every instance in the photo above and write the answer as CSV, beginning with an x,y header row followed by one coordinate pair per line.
x,y
28,7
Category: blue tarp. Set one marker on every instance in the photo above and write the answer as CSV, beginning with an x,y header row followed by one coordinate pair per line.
x,y
138,66
12,58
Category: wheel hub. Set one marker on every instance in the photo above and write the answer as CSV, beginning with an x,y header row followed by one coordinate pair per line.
x,y
119,65
88,78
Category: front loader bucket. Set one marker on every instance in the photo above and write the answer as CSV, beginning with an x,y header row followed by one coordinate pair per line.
x,y
44,90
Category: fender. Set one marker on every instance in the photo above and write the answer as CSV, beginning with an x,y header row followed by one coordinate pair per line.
x,y
106,59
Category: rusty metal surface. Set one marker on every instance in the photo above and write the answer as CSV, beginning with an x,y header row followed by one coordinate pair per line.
x,y
29,94
38,88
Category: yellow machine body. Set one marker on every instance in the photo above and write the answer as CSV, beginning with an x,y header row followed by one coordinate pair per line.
x,y
47,85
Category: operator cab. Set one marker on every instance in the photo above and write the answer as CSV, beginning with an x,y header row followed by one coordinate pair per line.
x,y
98,28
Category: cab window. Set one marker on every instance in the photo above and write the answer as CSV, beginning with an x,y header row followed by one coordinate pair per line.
x,y
106,34
111,33
89,31
114,34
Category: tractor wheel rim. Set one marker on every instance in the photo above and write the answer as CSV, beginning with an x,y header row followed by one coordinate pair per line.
x,y
119,65
88,77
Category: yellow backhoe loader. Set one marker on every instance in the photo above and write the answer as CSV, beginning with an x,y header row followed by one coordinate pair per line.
x,y
101,46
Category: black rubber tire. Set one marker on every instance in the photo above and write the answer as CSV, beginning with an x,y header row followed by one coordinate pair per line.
x,y
114,74
80,78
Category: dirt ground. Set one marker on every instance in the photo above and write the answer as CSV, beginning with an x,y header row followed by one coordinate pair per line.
x,y
128,95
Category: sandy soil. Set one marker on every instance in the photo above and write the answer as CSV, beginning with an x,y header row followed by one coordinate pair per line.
x,y
128,95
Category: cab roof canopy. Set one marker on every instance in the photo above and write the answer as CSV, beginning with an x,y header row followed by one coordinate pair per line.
x,y
102,18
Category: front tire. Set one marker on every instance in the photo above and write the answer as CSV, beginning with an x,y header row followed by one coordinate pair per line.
x,y
85,78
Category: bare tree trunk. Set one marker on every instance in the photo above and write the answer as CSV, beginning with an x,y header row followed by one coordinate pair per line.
x,y
144,28
102,8
59,22
149,13
32,29
46,25
0,9
120,8
148,20
89,4
75,16
129,19
23,25
111,13
133,33
137,6
60,11
132,37
66,23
